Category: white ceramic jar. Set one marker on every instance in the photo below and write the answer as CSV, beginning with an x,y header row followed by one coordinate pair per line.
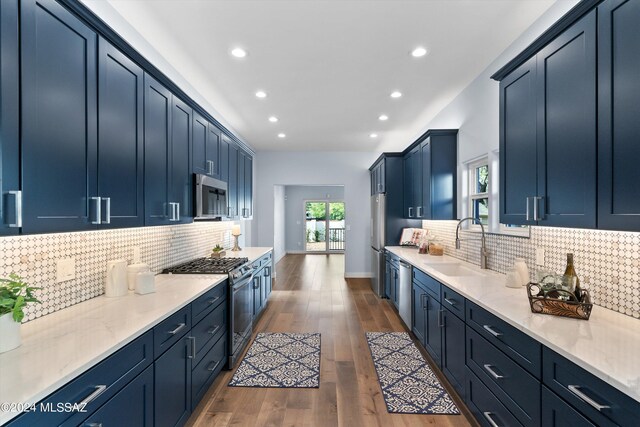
x,y
520,266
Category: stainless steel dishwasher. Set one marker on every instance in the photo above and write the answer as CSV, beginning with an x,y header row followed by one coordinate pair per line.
x,y
404,293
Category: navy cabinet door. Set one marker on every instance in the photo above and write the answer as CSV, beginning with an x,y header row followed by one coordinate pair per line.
x,y
433,330
425,164
233,180
241,183
157,138
248,186
257,294
518,164
416,187
419,312
224,159
59,112
453,350
120,137
409,202
133,405
180,181
566,127
199,144
172,394
439,190
618,112
387,279
213,151
9,120
558,413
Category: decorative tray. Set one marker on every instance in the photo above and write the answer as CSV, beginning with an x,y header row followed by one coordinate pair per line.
x,y
559,302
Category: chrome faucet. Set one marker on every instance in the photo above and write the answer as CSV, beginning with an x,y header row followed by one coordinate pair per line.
x,y
484,253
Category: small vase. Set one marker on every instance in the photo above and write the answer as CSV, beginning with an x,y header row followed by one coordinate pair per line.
x,y
9,333
523,271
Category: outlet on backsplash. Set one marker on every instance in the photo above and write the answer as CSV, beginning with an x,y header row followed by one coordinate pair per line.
x,y
65,269
540,256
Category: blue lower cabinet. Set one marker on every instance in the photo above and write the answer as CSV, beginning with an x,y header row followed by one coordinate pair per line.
x,y
433,329
485,406
418,311
558,413
170,330
453,350
172,395
131,406
207,369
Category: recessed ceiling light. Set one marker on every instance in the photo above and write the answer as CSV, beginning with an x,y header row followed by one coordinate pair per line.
x,y
261,94
238,52
373,135
383,117
281,135
273,119
419,52
396,94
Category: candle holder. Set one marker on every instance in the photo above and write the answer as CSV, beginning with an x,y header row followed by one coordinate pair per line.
x,y
236,247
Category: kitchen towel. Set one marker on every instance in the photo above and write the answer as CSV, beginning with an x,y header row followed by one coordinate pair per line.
x,y
408,385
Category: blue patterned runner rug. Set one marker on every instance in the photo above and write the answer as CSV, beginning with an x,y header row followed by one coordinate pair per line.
x,y
408,384
280,360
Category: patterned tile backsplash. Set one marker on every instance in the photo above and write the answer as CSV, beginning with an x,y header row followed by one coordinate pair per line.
x,y
34,257
607,262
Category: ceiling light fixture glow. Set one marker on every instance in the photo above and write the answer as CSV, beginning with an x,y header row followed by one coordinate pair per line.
x,y
273,119
261,94
396,94
373,135
419,52
238,52
282,135
383,117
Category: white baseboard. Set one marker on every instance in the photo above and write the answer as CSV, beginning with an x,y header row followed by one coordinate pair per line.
x,y
296,252
358,275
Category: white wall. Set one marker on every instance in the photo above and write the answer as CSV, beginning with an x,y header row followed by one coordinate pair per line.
x,y
319,168
279,223
296,195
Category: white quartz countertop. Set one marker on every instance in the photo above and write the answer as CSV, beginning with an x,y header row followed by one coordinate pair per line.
x,y
607,345
60,346
252,253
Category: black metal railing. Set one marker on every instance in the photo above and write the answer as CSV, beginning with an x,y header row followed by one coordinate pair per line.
x,y
336,239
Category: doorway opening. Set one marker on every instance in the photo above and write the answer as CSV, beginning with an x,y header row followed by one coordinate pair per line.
x,y
324,226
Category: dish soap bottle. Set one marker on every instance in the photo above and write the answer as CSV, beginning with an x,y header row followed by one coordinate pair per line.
x,y
571,272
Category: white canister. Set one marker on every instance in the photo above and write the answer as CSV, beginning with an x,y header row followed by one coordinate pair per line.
x,y
520,266
116,279
513,279
132,273
145,283
9,333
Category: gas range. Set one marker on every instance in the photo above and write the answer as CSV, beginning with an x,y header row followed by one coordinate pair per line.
x,y
207,266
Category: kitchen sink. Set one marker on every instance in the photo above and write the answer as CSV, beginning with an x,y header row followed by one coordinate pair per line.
x,y
454,269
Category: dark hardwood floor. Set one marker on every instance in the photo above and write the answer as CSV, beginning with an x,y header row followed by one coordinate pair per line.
x,y
310,294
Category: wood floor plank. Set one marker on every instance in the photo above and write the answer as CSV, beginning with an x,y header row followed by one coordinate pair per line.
x,y
310,294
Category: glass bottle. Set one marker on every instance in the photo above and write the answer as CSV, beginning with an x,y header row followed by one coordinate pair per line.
x,y
571,272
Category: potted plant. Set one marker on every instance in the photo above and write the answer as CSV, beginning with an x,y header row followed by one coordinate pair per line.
x,y
14,295
218,252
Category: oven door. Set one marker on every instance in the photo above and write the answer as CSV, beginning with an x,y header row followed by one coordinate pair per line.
x,y
210,198
241,317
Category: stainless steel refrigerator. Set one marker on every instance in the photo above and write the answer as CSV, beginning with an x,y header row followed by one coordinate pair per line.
x,y
378,223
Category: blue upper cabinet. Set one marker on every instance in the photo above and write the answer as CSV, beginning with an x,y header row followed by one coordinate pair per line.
x,y
199,144
548,133
248,186
180,180
213,151
120,138
618,110
9,119
224,158
232,199
59,120
412,183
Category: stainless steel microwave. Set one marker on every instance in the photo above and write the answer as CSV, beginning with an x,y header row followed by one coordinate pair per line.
x,y
210,198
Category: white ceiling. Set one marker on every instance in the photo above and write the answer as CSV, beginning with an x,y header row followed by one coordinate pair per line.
x,y
328,67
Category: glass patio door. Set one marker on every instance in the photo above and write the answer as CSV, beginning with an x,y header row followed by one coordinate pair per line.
x,y
324,226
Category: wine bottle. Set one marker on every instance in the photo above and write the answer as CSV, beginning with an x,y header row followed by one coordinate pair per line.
x,y
571,272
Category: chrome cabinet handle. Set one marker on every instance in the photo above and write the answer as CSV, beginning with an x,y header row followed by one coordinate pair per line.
x,y
425,301
210,166
419,212
192,340
575,389
492,331
107,210
98,219
489,417
213,368
213,300
410,212
18,209
180,327
441,319
527,217
177,211
536,201
93,424
99,389
450,301
267,271
493,373
214,329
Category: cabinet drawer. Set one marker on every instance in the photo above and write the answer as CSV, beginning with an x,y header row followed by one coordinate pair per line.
x,y
212,327
557,413
597,400
452,301
518,390
101,382
209,300
265,259
206,371
171,330
430,284
520,347
486,408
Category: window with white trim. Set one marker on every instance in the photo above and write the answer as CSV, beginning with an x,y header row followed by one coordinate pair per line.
x,y
478,203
